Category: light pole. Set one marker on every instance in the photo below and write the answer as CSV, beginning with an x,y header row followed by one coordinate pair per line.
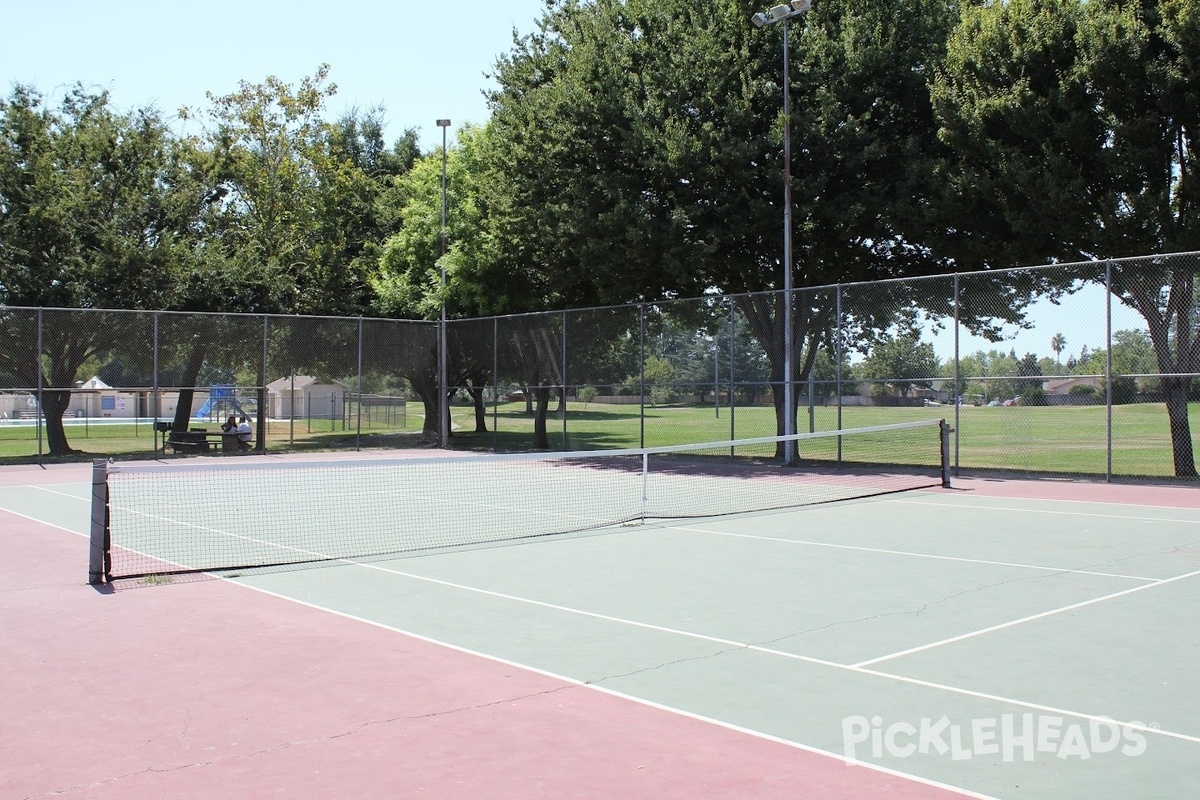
x,y
784,13
442,379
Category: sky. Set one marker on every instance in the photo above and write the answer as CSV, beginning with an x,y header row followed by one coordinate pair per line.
x,y
421,60
1079,317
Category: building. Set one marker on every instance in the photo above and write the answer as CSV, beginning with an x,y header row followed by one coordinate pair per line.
x,y
303,396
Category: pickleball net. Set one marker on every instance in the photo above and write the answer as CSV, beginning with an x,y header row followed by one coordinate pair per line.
x,y
215,515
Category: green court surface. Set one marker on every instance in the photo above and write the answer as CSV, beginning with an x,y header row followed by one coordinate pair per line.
x,y
980,637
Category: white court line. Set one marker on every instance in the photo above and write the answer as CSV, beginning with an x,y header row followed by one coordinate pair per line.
x,y
1194,520
855,668
40,521
911,554
1030,618
622,695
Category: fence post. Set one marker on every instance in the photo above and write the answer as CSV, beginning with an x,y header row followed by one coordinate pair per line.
x,y
642,374
563,389
958,387
1108,376
260,432
157,399
732,354
37,361
495,384
358,428
716,375
837,315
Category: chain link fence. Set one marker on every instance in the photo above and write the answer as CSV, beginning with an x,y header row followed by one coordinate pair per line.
x,y
1072,369
92,383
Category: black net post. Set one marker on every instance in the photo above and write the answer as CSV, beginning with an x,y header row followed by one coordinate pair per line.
x,y
945,430
99,557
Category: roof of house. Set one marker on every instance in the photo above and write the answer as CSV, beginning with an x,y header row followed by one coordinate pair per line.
x,y
299,383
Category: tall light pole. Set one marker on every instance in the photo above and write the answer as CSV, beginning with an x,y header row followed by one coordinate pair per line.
x,y
784,13
443,378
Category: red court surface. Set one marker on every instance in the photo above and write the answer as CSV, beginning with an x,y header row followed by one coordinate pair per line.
x,y
210,689
1186,496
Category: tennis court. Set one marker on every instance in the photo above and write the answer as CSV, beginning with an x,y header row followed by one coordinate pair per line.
x,y
996,639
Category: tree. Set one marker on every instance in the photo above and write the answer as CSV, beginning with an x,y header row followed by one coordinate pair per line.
x,y
637,156
902,364
294,198
94,213
1073,127
1058,343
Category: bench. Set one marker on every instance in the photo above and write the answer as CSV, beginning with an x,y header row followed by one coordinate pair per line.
x,y
194,441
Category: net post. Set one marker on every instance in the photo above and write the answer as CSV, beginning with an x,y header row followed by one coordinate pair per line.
x,y
944,430
645,483
99,557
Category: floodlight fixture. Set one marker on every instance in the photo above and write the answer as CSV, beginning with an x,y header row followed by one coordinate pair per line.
x,y
759,19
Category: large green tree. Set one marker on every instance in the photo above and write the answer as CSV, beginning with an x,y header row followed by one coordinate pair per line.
x,y
293,223
901,364
1074,130
95,212
297,197
637,154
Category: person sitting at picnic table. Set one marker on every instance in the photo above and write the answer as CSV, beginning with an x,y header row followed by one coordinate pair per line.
x,y
230,425
245,434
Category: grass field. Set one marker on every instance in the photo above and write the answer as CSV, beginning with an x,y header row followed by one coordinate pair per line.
x,y
1060,439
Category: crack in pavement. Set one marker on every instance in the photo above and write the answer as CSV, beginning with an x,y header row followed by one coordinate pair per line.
x,y
299,743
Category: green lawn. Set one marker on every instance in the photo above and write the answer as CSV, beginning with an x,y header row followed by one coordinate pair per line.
x,y
1059,439
1062,439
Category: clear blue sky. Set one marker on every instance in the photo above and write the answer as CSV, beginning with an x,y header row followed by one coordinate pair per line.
x,y
1079,317
422,60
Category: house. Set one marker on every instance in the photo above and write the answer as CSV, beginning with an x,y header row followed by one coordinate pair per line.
x,y
1065,385
1069,392
94,398
304,396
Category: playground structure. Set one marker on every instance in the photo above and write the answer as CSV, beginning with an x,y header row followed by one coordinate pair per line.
x,y
221,403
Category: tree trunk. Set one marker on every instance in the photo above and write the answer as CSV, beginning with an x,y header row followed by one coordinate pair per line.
x,y
1176,391
476,393
426,388
187,392
54,405
541,441
761,313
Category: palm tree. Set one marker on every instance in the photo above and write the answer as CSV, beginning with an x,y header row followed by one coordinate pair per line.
x,y
1058,344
